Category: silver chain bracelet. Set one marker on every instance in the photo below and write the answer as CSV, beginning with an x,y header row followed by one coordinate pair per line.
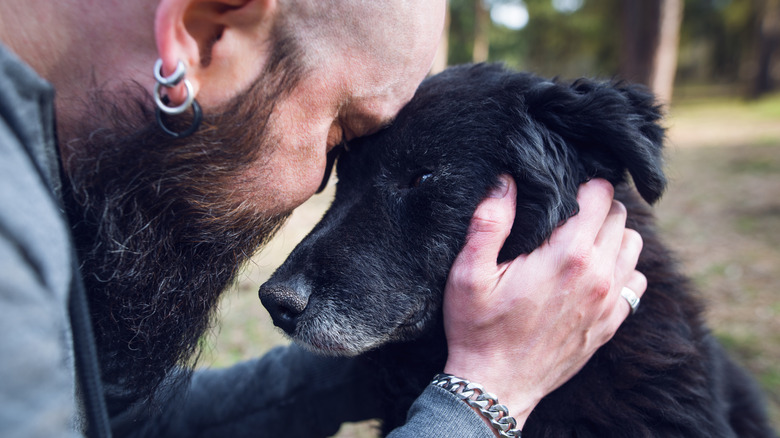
x,y
484,402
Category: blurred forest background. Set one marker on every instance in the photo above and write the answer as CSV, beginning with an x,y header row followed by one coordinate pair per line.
x,y
715,63
660,43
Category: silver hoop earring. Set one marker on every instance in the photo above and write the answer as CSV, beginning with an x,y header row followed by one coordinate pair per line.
x,y
173,110
173,79
162,101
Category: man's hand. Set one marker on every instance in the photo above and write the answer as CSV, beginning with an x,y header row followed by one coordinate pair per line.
x,y
523,328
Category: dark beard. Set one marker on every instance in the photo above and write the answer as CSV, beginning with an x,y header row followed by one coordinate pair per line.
x,y
161,230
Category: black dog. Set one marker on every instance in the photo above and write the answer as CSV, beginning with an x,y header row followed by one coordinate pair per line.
x,y
370,276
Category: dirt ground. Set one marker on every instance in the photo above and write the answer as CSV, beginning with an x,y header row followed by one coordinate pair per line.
x,y
721,214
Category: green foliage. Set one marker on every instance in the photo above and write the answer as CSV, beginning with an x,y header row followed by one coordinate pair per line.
x,y
584,42
461,36
717,39
716,42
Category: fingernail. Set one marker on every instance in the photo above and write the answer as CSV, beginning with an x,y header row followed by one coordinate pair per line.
x,y
500,190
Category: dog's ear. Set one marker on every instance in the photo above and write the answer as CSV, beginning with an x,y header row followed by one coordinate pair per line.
x,y
612,127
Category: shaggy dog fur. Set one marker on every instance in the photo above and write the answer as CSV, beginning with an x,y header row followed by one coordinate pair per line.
x,y
370,276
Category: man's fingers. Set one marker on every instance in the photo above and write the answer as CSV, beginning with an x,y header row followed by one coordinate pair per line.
x,y
634,287
614,225
594,199
627,258
626,276
490,226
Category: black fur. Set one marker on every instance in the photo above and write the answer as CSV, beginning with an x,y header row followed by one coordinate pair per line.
x,y
370,276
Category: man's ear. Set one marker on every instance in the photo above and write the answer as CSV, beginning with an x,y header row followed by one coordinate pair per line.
x,y
223,44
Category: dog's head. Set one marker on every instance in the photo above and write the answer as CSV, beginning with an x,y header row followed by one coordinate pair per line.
x,y
373,270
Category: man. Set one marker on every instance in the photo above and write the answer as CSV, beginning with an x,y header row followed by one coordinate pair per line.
x,y
162,209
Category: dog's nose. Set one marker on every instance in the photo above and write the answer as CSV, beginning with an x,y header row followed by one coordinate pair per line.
x,y
285,304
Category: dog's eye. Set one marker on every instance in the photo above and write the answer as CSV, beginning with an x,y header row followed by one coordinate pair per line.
x,y
420,179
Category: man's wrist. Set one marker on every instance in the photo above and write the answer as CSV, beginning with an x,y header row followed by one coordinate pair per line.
x,y
520,396
486,404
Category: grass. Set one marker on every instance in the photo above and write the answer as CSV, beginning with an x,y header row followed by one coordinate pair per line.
x,y
721,215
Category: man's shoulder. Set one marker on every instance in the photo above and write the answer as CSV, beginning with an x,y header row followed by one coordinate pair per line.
x,y
27,114
35,263
31,218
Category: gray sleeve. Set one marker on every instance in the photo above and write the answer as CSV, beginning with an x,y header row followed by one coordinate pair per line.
x,y
291,393
437,413
288,392
37,390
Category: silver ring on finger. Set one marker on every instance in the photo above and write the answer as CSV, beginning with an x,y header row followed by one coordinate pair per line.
x,y
630,296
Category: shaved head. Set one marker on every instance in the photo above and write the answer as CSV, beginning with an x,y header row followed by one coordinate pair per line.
x,y
350,30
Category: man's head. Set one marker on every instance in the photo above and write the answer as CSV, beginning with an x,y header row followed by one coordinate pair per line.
x,y
162,224
359,62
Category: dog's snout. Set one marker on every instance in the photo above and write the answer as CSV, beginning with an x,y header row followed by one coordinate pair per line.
x,y
285,304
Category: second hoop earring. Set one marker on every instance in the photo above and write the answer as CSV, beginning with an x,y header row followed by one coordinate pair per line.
x,y
162,101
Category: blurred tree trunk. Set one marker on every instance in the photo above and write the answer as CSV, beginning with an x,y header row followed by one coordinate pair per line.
x,y
440,60
665,68
481,31
650,37
768,42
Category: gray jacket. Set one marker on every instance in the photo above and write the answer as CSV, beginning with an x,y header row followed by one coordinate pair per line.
x,y
286,393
